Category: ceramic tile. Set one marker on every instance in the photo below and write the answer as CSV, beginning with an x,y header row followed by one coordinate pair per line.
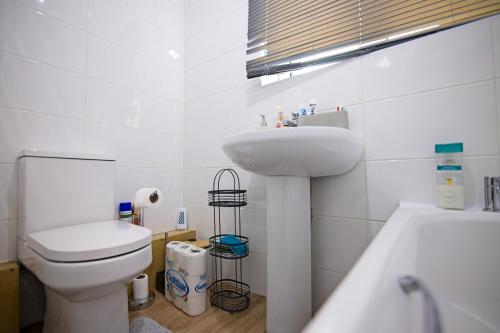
x,y
374,228
409,127
329,87
34,86
389,182
134,147
8,191
28,130
8,240
496,43
203,13
456,56
202,81
111,62
324,283
123,105
231,34
74,12
337,243
204,149
30,33
341,196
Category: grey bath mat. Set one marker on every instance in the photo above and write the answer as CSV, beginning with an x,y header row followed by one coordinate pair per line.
x,y
146,325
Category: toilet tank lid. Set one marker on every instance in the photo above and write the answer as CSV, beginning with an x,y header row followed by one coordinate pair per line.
x,y
64,155
89,241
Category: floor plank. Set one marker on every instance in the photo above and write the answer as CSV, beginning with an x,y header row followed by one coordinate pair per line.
x,y
251,320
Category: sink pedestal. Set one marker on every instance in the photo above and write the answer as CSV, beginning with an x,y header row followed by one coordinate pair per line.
x,y
288,253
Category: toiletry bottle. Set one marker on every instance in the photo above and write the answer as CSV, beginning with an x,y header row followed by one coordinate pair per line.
x,y
125,211
263,122
311,107
302,110
449,176
279,119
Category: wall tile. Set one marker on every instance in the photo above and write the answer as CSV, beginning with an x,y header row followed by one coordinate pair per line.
x,y
39,87
30,33
337,243
74,12
111,62
230,35
497,84
8,191
230,73
455,56
204,148
342,196
496,44
324,283
203,13
28,130
408,127
388,182
329,87
125,28
374,228
8,240
133,147
123,105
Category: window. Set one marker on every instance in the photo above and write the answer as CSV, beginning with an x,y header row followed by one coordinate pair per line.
x,y
287,35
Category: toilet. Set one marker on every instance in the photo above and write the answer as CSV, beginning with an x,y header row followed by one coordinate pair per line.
x,y
68,236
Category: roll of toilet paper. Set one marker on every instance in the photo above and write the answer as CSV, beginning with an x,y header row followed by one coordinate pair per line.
x,y
197,284
180,257
148,197
195,305
140,287
170,263
194,261
170,259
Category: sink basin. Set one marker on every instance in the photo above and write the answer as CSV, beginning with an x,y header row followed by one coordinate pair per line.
x,y
289,157
313,151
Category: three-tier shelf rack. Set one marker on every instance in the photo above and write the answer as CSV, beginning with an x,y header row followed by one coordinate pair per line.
x,y
228,246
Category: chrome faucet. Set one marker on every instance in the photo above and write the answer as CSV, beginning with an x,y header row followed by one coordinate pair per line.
x,y
492,194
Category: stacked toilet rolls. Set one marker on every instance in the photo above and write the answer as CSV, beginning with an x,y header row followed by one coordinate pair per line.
x,y
186,277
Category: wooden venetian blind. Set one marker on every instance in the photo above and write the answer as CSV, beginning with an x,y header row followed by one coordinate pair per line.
x,y
285,35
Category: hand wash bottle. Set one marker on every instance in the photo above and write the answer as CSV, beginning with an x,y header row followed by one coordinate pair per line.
x,y
449,176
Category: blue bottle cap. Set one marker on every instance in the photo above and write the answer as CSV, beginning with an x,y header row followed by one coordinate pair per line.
x,y
449,148
125,206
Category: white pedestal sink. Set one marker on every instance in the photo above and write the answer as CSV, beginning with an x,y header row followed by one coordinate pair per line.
x,y
289,157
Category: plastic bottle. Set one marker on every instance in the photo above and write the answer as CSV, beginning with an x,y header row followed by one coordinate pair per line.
x,y
449,176
125,212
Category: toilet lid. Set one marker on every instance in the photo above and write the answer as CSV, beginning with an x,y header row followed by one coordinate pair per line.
x,y
90,241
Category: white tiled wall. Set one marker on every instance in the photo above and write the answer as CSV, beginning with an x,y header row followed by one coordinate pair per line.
x,y
402,100
95,76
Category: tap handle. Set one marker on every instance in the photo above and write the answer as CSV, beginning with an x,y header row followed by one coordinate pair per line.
x,y
488,192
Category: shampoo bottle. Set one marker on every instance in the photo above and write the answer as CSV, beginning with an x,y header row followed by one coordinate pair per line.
x,y
449,176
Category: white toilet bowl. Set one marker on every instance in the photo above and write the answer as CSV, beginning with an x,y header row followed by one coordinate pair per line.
x,y
85,269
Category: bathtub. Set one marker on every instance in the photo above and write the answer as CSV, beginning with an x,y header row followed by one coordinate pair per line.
x,y
455,254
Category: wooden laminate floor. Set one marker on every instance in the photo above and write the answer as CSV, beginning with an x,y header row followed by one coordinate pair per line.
x,y
251,320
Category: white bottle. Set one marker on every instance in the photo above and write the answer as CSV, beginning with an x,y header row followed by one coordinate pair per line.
x,y
449,176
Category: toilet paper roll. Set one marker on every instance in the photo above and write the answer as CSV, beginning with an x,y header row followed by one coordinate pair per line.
x,y
170,259
194,260
195,305
179,251
176,287
197,284
148,197
140,287
179,302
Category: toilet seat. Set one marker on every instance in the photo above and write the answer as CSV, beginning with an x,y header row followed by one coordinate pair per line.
x,y
89,241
